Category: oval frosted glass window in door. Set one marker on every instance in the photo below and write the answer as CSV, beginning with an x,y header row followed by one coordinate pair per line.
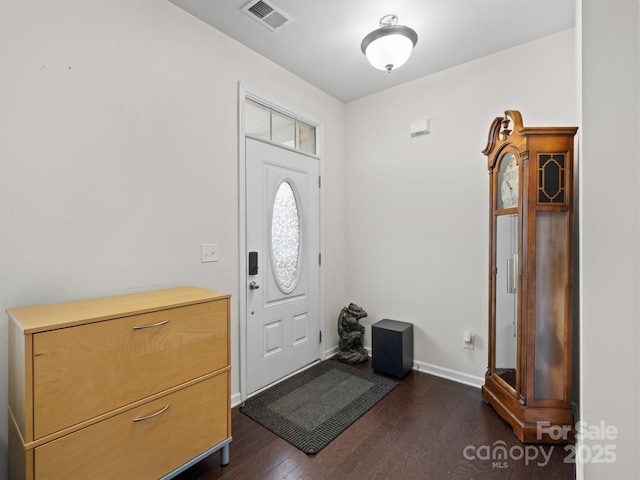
x,y
285,237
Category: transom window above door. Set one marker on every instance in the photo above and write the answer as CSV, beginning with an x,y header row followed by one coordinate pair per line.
x,y
277,127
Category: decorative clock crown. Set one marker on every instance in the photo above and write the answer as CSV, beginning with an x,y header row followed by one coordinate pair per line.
x,y
505,128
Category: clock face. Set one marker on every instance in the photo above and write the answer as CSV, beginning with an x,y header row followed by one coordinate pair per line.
x,y
508,178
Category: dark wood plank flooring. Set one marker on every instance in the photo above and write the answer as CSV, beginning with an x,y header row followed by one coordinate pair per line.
x,y
421,430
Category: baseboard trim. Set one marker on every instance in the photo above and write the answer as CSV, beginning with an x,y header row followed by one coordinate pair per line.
x,y
331,352
442,372
447,373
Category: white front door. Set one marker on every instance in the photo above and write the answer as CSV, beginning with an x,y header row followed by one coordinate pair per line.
x,y
283,274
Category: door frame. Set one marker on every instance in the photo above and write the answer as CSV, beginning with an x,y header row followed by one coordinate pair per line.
x,y
245,92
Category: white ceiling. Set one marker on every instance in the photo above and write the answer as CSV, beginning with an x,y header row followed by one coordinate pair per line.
x,y
322,42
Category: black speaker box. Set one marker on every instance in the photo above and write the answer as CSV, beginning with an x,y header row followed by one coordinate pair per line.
x,y
392,347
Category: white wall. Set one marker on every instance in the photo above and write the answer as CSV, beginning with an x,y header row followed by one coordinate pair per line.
x,y
118,155
418,221
610,233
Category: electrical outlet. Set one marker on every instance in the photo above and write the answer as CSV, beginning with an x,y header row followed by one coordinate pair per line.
x,y
467,340
209,252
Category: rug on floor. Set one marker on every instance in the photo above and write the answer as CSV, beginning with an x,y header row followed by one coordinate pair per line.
x,y
312,408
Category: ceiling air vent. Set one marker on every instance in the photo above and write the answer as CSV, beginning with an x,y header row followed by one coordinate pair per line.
x,y
267,14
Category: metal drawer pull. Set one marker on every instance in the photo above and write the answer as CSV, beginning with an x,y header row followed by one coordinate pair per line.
x,y
139,419
140,327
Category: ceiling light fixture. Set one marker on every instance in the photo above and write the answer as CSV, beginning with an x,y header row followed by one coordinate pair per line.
x,y
389,46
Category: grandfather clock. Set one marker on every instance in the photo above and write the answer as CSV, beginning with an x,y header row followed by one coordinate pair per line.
x,y
528,380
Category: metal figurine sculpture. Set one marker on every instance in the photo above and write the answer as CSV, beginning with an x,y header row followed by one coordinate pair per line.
x,y
350,348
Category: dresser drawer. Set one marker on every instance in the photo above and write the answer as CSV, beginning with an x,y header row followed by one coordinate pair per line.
x,y
84,371
196,419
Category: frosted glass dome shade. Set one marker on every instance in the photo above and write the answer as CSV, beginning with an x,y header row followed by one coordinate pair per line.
x,y
389,47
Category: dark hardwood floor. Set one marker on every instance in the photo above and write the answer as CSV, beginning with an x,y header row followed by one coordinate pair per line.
x,y
426,428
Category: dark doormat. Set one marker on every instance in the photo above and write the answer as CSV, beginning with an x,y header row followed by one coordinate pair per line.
x,y
314,407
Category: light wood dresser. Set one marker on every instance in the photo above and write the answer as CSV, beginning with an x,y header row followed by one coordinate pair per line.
x,y
134,386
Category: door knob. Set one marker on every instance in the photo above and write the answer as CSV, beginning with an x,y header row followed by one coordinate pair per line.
x,y
254,286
